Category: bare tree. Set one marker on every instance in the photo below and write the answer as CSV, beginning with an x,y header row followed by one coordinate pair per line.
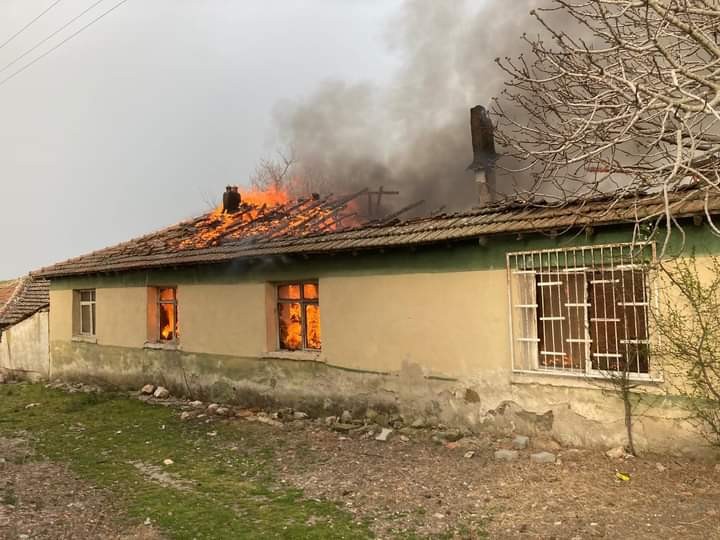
x,y
619,95
288,173
688,324
274,173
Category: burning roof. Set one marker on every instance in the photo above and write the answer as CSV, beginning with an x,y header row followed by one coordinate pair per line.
x,y
314,225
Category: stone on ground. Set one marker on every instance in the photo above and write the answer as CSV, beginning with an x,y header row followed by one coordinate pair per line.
x,y
543,457
384,434
299,415
520,442
185,415
222,411
212,408
146,390
342,427
616,453
346,417
196,404
161,392
506,455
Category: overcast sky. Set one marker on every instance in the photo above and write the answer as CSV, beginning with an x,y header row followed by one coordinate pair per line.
x,y
146,115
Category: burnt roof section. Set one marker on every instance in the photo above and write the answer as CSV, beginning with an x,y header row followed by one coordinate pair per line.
x,y
21,298
197,241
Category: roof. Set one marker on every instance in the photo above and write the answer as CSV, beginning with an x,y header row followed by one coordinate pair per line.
x,y
287,230
22,298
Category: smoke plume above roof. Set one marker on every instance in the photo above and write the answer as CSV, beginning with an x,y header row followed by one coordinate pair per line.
x,y
412,134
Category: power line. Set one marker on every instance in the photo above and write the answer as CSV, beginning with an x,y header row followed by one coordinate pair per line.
x,y
56,32
28,25
71,36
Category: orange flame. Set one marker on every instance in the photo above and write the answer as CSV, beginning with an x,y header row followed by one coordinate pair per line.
x,y
270,197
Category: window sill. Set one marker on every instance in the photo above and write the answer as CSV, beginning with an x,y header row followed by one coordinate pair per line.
x,y
308,356
577,379
162,346
85,339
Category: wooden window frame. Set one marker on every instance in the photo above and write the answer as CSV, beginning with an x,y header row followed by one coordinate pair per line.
x,y
304,302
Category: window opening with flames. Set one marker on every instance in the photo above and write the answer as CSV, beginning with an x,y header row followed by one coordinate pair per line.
x,y
167,313
581,310
298,314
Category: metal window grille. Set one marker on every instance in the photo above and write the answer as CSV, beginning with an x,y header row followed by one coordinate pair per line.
x,y
86,302
298,316
581,310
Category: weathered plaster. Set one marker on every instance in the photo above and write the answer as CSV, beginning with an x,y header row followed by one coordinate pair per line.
x,y
24,348
573,416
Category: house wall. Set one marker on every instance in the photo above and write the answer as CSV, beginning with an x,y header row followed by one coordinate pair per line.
x,y
423,333
24,348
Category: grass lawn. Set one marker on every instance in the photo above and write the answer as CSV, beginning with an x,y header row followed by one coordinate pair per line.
x,y
215,488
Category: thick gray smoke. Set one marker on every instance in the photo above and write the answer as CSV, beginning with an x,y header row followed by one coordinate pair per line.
x,y
412,135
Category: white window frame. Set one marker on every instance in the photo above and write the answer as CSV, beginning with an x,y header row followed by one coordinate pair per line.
x,y
530,302
92,305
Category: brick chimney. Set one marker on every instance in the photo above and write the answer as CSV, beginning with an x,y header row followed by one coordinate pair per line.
x,y
484,156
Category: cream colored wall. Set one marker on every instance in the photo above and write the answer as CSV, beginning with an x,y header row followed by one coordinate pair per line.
x,y
223,319
121,316
61,315
450,323
24,347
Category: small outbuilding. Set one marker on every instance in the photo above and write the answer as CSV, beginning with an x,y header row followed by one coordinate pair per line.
x,y
24,304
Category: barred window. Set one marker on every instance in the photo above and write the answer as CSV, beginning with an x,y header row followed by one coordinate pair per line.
x,y
582,309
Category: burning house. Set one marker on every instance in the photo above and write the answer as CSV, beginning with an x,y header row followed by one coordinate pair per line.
x,y
503,317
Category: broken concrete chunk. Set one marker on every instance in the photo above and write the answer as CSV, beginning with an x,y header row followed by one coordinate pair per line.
x,y
212,408
542,457
449,436
419,423
384,434
469,454
161,392
506,455
342,427
269,421
147,390
346,417
520,442
616,453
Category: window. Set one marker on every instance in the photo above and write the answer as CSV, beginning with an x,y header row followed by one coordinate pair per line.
x,y
163,314
85,301
298,310
581,310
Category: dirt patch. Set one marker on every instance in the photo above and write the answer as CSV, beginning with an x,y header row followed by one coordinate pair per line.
x,y
40,500
162,477
421,487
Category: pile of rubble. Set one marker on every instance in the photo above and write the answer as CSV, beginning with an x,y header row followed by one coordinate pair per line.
x,y
375,425
73,388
